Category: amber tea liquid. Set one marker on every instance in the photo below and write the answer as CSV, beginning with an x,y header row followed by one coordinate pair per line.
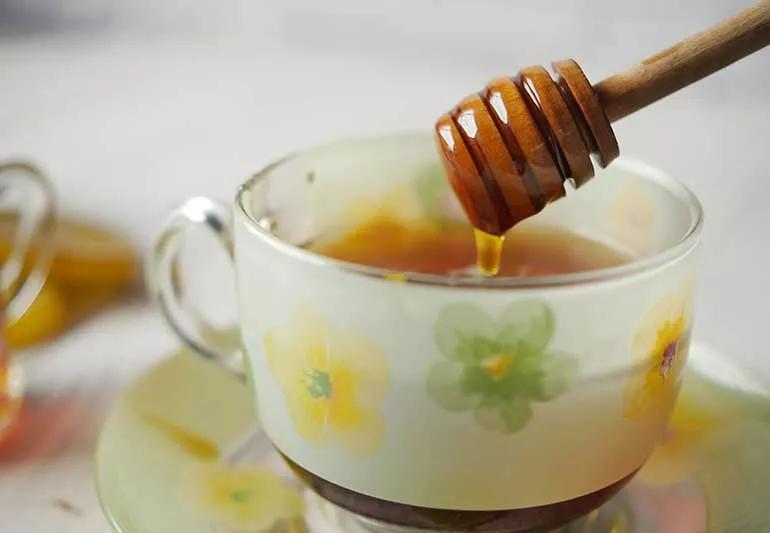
x,y
452,247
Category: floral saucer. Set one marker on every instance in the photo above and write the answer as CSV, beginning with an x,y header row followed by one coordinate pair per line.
x,y
180,451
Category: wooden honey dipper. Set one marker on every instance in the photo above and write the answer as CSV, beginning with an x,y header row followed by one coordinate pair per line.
x,y
508,149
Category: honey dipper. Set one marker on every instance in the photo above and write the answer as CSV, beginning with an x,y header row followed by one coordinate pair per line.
x,y
508,149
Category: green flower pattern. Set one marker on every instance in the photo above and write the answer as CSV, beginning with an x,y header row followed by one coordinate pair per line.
x,y
498,368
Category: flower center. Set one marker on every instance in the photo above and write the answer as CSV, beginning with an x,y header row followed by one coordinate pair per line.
x,y
669,353
240,495
496,365
318,384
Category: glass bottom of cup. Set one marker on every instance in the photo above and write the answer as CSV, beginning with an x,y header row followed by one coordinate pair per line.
x,y
325,517
355,512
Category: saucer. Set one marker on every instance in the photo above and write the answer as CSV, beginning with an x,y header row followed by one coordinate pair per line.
x,y
181,451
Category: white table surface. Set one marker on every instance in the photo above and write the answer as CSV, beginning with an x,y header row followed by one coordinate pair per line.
x,y
131,107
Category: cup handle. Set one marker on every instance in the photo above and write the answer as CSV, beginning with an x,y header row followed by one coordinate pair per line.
x,y
166,287
34,233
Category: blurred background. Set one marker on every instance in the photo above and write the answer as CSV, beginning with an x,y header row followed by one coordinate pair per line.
x,y
133,106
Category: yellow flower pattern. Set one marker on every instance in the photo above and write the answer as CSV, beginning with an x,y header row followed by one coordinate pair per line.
x,y
659,349
247,498
333,381
676,457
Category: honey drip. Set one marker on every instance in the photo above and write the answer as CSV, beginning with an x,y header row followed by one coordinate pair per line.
x,y
489,252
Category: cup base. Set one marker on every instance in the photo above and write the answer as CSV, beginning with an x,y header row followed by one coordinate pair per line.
x,y
357,512
325,517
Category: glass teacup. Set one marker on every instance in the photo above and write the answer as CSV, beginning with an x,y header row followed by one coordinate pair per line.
x,y
362,379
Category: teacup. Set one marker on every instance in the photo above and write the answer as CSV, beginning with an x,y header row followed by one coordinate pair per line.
x,y
25,193
362,378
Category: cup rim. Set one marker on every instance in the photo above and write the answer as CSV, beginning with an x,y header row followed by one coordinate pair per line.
x,y
681,248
